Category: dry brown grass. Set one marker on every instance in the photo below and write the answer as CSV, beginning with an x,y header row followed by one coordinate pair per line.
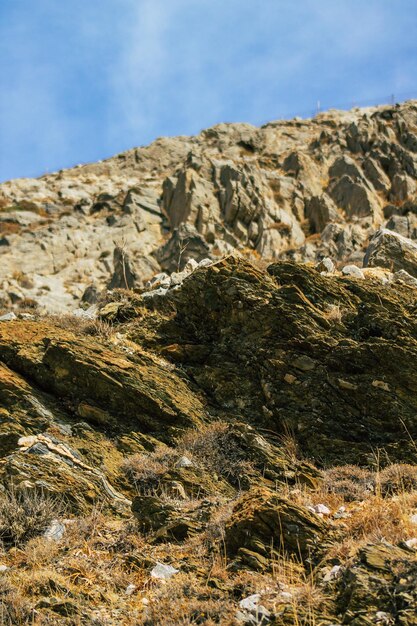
x,y
9,228
92,327
183,601
217,449
24,281
146,471
15,608
335,313
25,514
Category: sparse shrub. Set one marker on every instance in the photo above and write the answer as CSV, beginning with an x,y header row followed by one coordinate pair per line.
x,y
398,478
283,228
186,601
146,471
334,313
217,448
75,324
25,514
9,228
99,328
349,481
23,280
28,303
14,607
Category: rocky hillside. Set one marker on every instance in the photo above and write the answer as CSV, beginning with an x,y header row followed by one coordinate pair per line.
x,y
239,448
299,189
208,381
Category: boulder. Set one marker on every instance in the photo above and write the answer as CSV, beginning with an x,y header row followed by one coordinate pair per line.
x,y
379,587
391,250
184,244
320,210
354,198
265,526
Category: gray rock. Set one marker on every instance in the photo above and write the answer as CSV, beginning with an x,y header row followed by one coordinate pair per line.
x,y
400,224
354,198
404,277
352,270
8,317
320,210
184,244
393,251
124,275
184,461
163,572
251,612
402,188
326,266
191,265
346,166
55,531
160,280
376,175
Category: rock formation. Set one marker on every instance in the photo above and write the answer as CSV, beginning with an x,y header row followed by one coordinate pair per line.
x,y
298,189
207,381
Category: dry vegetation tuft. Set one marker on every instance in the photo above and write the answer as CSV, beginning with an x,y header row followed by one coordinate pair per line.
x,y
25,514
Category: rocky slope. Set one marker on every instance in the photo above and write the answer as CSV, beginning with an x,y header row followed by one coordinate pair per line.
x,y
246,435
195,426
299,189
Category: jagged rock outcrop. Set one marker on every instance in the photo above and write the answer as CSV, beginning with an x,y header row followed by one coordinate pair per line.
x,y
379,585
290,189
320,356
214,406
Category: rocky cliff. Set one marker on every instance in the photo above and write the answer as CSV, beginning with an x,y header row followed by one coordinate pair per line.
x,y
299,189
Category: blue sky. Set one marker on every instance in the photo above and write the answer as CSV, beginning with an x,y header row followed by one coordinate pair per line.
x,y
81,80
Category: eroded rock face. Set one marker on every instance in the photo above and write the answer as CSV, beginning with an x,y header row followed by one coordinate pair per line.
x,y
293,349
265,526
299,189
380,584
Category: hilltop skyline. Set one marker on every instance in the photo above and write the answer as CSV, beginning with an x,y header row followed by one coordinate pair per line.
x,y
81,84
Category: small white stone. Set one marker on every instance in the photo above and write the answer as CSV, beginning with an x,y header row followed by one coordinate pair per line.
x,y
184,461
55,531
411,543
205,263
345,384
413,518
160,280
191,265
380,384
334,573
353,270
286,596
130,589
250,603
163,572
321,509
8,317
4,568
326,266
